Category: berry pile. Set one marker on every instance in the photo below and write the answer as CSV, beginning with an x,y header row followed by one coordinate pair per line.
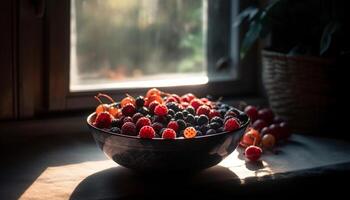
x,y
265,131
167,116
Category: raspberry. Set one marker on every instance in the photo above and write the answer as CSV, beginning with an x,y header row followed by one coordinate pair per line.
x,y
129,128
195,103
136,117
161,110
203,110
170,99
152,106
128,110
231,124
168,133
173,125
143,121
103,120
214,113
157,127
178,99
147,132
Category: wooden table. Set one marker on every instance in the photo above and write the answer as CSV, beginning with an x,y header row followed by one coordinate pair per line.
x,y
72,167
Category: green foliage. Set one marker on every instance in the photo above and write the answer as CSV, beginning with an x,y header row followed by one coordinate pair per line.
x,y
297,27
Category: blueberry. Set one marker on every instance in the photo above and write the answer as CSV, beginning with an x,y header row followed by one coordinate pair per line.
x,y
222,112
171,112
190,119
211,132
210,98
221,129
173,106
204,128
234,110
115,130
143,110
196,117
214,125
242,117
168,117
199,133
185,113
116,123
191,110
203,119
218,120
140,101
181,123
179,115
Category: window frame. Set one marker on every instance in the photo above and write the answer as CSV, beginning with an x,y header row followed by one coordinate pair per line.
x,y
222,46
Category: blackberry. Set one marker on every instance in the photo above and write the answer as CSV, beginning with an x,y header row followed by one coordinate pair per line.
x,y
171,112
190,119
136,117
115,130
179,115
218,120
181,123
214,125
191,110
160,119
139,101
211,132
202,120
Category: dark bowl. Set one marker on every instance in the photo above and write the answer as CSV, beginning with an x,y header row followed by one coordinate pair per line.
x,y
167,155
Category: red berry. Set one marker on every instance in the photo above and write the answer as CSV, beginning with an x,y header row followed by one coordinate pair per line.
x,y
103,120
195,103
214,113
251,137
177,97
143,121
259,124
253,152
173,125
147,132
265,130
266,114
129,110
252,112
190,96
129,128
184,105
203,110
161,110
168,133
285,130
127,119
205,100
136,117
231,124
185,98
170,99
157,126
152,106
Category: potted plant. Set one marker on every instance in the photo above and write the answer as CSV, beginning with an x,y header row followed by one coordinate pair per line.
x,y
304,40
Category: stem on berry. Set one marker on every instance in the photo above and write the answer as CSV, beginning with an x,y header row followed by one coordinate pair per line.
x,y
106,96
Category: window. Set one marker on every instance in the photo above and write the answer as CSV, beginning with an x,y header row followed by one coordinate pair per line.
x,y
120,47
136,43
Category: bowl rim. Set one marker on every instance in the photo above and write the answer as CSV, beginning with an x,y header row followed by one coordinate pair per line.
x,y
88,119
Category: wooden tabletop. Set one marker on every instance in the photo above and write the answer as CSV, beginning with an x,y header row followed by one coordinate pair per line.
x,y
74,168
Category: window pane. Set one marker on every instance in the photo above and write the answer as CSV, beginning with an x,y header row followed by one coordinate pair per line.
x,y
136,43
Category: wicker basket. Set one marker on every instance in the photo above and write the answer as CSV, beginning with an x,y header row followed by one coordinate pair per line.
x,y
298,88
